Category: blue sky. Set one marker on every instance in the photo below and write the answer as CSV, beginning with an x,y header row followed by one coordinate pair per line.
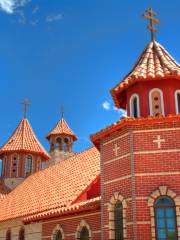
x,y
72,52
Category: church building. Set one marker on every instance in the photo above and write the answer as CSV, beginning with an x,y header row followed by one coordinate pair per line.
x,y
125,187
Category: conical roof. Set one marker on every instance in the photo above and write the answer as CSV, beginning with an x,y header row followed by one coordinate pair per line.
x,y
61,128
153,64
24,140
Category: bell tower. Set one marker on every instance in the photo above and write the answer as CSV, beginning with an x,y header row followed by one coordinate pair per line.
x,y
61,139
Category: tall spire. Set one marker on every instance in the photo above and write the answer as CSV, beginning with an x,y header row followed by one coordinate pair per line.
x,y
150,15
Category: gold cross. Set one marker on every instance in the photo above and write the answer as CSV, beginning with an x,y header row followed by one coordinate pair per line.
x,y
25,104
62,111
150,15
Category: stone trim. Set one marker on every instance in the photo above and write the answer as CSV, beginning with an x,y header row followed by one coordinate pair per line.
x,y
55,230
113,200
163,191
82,224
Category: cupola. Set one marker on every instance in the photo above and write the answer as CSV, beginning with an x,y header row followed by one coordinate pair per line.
x,y
152,87
21,155
61,139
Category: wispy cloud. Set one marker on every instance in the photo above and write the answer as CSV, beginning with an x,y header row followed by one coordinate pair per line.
x,y
108,106
10,6
54,18
35,10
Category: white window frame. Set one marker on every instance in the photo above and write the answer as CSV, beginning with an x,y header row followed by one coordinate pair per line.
x,y
176,102
135,95
150,100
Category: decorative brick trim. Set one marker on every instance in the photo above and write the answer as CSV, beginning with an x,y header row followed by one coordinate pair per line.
x,y
56,229
82,224
111,206
163,191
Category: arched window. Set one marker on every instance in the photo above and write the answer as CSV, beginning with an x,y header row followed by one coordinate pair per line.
x,y
177,101
84,234
57,235
8,234
118,221
165,218
83,231
21,234
134,106
59,143
66,144
28,165
156,103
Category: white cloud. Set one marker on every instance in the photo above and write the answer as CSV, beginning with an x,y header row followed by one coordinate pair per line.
x,y
109,107
121,111
106,105
9,6
54,18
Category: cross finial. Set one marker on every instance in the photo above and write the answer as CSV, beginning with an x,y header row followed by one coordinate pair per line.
x,y
150,15
25,104
62,111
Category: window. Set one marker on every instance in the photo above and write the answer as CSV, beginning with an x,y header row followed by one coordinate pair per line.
x,y
134,106
165,219
28,165
8,234
177,101
118,221
21,234
156,102
84,234
57,235
14,164
59,143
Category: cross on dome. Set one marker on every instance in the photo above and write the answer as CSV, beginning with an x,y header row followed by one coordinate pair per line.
x,y
150,15
25,104
62,111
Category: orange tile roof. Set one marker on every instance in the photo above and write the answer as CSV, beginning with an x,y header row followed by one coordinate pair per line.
x,y
62,128
154,63
24,140
129,121
55,187
90,204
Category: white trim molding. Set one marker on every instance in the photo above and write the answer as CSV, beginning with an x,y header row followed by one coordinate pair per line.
x,y
111,207
56,229
163,191
82,224
133,96
150,100
176,101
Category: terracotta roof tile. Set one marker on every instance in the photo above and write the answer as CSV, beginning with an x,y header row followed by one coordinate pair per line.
x,y
130,121
62,128
93,203
154,63
55,187
24,139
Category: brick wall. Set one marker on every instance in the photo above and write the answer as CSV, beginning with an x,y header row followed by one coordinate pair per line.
x,y
137,161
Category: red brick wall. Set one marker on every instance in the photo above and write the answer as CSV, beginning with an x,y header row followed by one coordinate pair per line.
x,y
153,167
70,223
